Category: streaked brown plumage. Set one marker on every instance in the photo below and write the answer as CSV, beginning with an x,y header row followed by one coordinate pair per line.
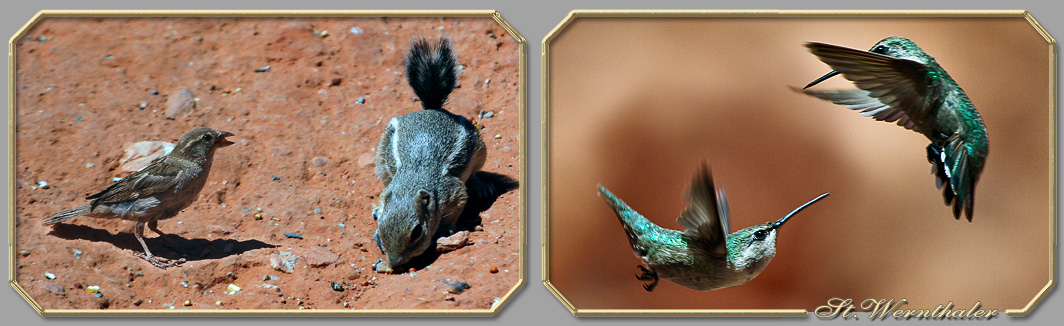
x,y
158,191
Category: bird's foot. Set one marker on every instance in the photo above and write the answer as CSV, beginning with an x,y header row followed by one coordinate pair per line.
x,y
159,261
648,275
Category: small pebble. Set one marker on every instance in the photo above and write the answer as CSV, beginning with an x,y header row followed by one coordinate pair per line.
x,y
98,294
139,274
317,211
355,30
77,253
258,216
50,276
293,235
498,136
188,303
341,225
263,69
42,38
361,99
415,99
494,269
276,178
42,184
24,253
218,303
138,302
142,105
116,179
92,288
337,287
154,92
78,118
319,161
89,165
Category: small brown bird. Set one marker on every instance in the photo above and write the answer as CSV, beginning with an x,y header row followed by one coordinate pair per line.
x,y
158,191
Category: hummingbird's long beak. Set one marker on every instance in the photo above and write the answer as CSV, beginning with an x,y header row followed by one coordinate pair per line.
x,y
822,78
778,223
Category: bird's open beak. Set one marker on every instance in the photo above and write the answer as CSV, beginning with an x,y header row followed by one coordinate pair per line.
x,y
783,219
822,78
222,142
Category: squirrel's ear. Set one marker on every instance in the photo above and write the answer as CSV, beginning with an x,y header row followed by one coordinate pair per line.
x,y
424,198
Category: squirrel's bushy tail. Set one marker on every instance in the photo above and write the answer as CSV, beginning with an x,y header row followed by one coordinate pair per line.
x,y
431,71
67,214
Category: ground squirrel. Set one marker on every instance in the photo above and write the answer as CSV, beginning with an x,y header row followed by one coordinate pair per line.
x,y
426,160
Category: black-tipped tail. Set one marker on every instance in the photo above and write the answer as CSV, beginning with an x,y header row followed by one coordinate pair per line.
x,y
431,71
67,214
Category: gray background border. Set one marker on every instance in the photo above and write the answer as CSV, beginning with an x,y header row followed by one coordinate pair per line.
x,y
533,304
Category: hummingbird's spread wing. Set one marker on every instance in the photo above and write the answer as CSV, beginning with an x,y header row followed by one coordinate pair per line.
x,y
950,159
859,100
902,87
706,216
162,175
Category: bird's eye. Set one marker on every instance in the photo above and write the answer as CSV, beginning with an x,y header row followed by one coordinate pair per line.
x,y
208,137
760,235
881,49
416,233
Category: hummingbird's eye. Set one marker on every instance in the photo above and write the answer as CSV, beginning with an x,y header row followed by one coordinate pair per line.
x,y
881,49
760,235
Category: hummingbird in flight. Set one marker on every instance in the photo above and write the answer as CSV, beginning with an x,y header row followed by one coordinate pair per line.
x,y
901,83
706,255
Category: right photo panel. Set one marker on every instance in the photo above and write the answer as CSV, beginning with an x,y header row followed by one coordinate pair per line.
x,y
785,163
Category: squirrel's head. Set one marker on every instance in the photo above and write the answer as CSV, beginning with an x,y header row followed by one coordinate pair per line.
x,y
406,223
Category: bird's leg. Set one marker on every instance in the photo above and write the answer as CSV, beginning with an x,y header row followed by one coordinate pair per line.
x,y
154,226
648,275
138,231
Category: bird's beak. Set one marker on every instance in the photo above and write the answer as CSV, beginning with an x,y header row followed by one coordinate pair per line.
x,y
222,142
783,219
822,78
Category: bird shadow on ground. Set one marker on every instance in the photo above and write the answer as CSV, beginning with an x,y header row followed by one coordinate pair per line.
x,y
189,249
470,217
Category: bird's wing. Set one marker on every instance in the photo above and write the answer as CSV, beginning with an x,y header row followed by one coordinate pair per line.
x,y
901,86
159,176
859,100
706,216
950,159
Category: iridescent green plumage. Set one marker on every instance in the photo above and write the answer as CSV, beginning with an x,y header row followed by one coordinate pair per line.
x,y
705,256
901,83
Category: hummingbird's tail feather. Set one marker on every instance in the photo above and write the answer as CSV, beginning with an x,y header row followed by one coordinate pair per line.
x,y
67,214
953,167
431,70
635,225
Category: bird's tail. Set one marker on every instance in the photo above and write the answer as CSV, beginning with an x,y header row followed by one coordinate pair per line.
x,y
431,70
67,214
954,175
635,225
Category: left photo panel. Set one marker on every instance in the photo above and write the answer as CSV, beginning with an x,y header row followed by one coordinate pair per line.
x,y
223,163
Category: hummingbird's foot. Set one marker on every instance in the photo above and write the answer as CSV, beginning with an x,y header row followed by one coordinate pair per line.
x,y
159,261
648,275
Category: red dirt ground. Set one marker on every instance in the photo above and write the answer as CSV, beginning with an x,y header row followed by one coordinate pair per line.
x,y
80,83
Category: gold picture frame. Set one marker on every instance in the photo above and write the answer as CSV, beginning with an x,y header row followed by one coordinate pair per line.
x,y
520,94
585,191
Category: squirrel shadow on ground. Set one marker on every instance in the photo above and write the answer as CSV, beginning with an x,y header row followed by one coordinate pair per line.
x,y
189,249
475,205
470,217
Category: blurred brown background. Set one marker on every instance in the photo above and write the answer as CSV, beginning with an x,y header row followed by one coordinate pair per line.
x,y
636,104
